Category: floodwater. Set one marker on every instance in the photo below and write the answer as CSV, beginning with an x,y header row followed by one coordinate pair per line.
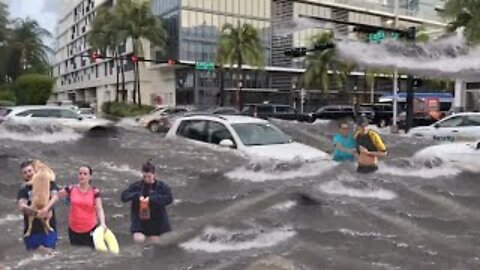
x,y
234,213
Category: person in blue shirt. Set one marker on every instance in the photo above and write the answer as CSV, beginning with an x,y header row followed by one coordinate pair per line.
x,y
344,143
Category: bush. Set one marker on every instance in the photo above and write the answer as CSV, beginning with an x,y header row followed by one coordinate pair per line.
x,y
125,109
34,89
7,97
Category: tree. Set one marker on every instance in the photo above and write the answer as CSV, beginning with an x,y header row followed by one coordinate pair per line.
x,y
321,63
238,46
34,89
3,39
27,51
105,37
464,13
137,22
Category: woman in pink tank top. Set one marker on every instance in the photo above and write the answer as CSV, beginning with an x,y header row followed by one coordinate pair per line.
x,y
86,209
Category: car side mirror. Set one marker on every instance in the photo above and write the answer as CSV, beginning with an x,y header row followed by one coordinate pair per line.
x,y
436,125
80,118
227,143
478,146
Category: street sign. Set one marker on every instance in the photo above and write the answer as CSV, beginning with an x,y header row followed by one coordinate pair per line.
x,y
380,35
204,65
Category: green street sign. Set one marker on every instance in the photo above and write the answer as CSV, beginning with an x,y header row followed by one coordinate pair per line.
x,y
381,35
204,65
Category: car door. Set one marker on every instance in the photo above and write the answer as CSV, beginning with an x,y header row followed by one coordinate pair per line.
x,y
448,129
193,130
216,132
73,120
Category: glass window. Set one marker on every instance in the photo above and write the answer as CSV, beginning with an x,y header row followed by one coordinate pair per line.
x,y
472,121
265,109
68,114
260,134
284,109
218,132
193,129
454,121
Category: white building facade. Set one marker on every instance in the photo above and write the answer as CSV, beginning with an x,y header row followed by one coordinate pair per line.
x,y
81,79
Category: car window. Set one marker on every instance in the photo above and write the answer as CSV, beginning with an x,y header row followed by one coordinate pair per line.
x,y
42,113
454,121
265,109
177,110
24,113
260,134
217,132
284,109
349,110
472,121
68,114
193,129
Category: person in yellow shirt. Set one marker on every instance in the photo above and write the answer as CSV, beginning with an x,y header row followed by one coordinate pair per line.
x,y
370,147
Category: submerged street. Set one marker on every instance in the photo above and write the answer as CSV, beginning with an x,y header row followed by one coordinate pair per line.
x,y
414,213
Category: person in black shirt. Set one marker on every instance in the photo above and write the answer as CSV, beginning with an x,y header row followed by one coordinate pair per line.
x,y
148,213
38,239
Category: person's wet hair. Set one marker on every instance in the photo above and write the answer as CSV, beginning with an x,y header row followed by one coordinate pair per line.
x,y
90,170
148,167
25,164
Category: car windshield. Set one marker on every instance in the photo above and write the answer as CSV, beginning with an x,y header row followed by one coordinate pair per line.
x,y
260,134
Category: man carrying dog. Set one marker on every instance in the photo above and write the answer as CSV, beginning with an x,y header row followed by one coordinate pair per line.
x,y
38,240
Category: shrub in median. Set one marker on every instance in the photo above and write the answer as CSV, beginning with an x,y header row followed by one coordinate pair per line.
x,y
125,109
34,89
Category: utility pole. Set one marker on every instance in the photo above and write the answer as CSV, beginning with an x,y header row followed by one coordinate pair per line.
x,y
394,128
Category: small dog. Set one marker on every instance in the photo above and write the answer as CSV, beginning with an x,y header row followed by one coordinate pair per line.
x,y
40,193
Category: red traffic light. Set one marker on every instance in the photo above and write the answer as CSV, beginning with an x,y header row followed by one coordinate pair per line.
x,y
95,56
134,58
171,62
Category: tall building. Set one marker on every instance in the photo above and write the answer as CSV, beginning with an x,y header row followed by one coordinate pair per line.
x,y
80,78
194,27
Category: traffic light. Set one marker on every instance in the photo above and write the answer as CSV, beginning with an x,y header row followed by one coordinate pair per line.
x,y
296,52
411,33
96,56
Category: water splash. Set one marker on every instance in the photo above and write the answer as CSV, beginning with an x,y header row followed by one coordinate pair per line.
x,y
261,171
47,134
215,240
447,56
339,188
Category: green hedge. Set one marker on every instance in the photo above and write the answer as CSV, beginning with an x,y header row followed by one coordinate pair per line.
x,y
33,89
125,109
7,97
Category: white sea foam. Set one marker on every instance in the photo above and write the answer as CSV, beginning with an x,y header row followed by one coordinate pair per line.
x,y
269,171
62,135
10,218
215,240
121,168
338,188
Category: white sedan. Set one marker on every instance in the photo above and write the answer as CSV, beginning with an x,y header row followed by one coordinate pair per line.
x,y
253,136
51,115
457,127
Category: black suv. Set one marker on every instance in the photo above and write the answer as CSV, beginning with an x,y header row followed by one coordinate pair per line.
x,y
383,113
279,111
341,112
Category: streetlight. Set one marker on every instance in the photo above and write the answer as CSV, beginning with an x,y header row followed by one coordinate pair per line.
x,y
394,128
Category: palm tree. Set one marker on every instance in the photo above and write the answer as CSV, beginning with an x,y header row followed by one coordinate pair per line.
x,y
321,63
464,13
3,39
238,46
104,37
27,52
137,22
